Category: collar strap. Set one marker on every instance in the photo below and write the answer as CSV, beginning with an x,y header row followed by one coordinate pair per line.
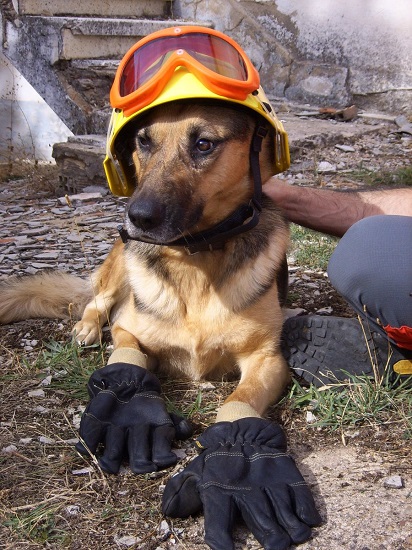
x,y
244,218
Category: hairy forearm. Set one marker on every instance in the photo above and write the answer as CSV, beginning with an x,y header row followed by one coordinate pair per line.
x,y
333,212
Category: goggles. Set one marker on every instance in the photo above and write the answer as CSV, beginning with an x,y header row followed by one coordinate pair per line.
x,y
215,59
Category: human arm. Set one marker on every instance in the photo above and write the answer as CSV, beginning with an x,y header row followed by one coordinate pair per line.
x,y
333,212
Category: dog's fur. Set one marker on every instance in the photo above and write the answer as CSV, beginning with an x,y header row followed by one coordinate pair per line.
x,y
202,315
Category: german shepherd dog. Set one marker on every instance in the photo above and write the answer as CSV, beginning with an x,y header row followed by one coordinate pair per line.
x,y
202,315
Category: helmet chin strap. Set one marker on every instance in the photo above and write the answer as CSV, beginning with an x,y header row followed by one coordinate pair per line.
x,y
244,218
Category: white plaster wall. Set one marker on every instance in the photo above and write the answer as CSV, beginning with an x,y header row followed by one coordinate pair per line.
x,y
324,52
28,127
369,36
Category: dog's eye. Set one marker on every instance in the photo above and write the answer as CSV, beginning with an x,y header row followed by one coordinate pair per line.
x,y
205,145
143,141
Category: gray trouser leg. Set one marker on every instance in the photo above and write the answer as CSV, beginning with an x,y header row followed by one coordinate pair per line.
x,y
372,269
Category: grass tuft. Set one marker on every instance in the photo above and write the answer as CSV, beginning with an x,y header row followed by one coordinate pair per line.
x,y
357,401
69,365
310,249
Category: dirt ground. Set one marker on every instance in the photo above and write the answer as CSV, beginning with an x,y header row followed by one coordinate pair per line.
x,y
51,497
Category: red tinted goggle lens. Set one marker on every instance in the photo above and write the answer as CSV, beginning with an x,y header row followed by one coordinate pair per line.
x,y
212,52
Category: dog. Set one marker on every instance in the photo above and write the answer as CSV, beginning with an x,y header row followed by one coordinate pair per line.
x,y
198,315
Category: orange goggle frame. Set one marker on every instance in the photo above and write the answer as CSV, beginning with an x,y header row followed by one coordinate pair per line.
x,y
215,59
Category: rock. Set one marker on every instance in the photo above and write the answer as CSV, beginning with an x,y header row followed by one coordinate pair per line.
x,y
345,148
41,265
47,256
126,540
10,449
310,417
288,312
325,167
393,482
180,453
36,393
79,197
207,386
72,510
325,310
46,440
164,528
41,410
46,381
82,471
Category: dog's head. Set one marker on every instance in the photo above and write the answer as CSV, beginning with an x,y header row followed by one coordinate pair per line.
x,y
190,165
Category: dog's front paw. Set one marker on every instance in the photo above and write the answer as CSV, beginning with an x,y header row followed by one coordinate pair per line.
x,y
86,333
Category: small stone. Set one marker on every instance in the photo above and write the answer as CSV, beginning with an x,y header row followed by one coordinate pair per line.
x,y
126,540
59,211
207,386
393,482
345,148
180,453
96,189
47,256
164,528
41,410
310,417
73,441
72,510
46,381
40,265
82,471
325,167
35,232
293,312
9,449
80,197
36,393
46,440
328,310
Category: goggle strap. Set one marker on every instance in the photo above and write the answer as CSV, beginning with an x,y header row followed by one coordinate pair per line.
x,y
255,148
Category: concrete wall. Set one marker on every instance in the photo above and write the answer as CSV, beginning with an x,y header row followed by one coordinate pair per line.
x,y
324,52
321,52
28,127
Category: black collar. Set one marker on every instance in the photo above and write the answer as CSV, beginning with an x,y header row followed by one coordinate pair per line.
x,y
244,218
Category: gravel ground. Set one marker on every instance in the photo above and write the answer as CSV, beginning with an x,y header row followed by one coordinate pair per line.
x,y
350,473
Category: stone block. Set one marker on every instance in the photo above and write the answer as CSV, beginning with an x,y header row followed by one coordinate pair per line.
x,y
80,162
321,84
98,8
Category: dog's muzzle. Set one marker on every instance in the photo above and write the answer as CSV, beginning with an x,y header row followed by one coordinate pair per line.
x,y
244,218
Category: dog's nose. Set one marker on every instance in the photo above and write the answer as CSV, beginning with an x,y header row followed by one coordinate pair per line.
x,y
146,214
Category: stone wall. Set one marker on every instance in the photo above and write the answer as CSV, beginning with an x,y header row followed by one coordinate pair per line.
x,y
322,52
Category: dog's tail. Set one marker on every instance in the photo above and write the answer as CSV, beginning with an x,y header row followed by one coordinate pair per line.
x,y
50,294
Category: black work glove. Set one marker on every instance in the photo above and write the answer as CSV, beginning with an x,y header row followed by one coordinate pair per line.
x,y
243,469
127,415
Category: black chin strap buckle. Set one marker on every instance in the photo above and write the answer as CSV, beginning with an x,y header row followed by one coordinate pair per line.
x,y
124,235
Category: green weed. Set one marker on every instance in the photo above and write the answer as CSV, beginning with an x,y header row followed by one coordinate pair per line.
x,y
401,177
70,366
357,401
38,525
310,249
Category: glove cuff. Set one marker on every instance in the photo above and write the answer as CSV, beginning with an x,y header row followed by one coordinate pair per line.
x,y
235,410
128,355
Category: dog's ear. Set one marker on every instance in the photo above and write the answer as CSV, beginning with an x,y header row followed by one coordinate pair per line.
x,y
124,147
267,155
